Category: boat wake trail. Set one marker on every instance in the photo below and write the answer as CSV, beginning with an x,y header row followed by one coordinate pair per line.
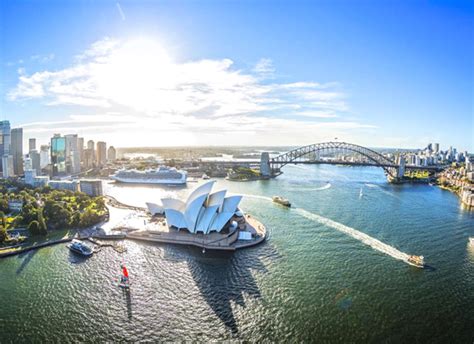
x,y
324,187
378,187
362,237
257,197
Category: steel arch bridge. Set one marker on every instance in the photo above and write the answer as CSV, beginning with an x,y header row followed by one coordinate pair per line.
x,y
296,155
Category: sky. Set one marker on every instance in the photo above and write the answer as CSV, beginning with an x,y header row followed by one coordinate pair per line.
x,y
180,73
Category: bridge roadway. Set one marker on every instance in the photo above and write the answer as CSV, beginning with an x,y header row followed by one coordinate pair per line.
x,y
255,163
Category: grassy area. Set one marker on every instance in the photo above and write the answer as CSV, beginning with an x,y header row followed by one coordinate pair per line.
x,y
51,236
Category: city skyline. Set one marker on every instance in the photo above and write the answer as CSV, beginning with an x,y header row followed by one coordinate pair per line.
x,y
156,75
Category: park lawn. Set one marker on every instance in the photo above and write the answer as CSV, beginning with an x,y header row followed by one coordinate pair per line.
x,y
52,235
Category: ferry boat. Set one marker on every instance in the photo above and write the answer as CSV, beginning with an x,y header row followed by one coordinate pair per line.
x,y
418,261
281,200
79,247
161,175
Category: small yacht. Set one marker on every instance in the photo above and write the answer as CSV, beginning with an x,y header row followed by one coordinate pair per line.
x,y
281,200
418,261
471,241
79,247
205,176
124,279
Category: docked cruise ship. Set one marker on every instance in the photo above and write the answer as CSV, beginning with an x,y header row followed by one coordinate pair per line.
x,y
161,175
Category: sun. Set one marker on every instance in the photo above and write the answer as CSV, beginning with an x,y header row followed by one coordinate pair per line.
x,y
135,72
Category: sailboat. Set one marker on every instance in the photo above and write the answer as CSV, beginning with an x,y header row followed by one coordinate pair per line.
x,y
124,279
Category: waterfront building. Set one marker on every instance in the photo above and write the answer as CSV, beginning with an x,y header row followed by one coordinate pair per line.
x,y
44,156
111,154
31,144
202,212
101,153
71,185
92,187
73,158
40,181
58,155
5,140
7,166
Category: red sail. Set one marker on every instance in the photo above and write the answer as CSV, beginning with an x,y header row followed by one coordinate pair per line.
x,y
124,271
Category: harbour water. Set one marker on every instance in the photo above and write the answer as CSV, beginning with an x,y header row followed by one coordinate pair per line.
x,y
332,270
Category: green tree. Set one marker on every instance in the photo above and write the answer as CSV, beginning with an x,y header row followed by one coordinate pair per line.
x,y
42,222
89,217
34,228
3,234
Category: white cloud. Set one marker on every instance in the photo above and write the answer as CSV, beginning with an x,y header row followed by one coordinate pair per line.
x,y
145,90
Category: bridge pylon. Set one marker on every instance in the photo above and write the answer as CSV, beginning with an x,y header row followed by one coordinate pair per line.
x,y
265,168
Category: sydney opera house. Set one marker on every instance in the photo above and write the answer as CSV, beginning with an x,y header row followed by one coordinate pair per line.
x,y
202,212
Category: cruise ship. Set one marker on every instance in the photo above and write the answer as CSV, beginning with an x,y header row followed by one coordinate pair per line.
x,y
161,175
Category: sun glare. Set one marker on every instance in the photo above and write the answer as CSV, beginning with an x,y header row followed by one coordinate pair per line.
x,y
133,73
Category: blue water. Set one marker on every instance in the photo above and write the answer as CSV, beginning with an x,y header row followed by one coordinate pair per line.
x,y
317,278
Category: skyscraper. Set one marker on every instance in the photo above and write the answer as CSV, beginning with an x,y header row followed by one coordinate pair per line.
x,y
58,155
35,161
111,154
44,156
91,147
101,153
7,164
80,147
16,150
31,144
73,159
5,140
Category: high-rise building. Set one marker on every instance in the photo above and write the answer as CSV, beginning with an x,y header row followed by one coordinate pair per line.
x,y
88,161
101,153
28,164
7,164
436,147
5,140
31,144
35,161
16,150
80,147
91,147
73,158
58,155
44,156
111,154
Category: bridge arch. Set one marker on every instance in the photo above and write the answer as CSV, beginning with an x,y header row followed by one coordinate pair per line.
x,y
389,166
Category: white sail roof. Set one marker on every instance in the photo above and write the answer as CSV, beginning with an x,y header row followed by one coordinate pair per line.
x,y
202,212
154,208
206,219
